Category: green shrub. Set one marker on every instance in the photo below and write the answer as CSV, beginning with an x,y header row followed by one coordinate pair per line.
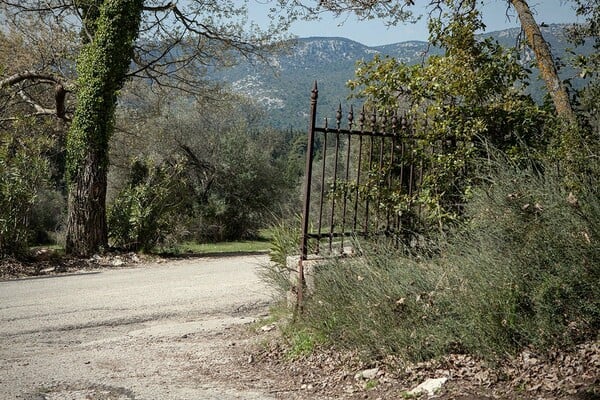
x,y
146,212
285,242
48,217
382,303
522,271
23,172
530,261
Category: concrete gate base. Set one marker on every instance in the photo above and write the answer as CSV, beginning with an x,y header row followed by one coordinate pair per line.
x,y
310,266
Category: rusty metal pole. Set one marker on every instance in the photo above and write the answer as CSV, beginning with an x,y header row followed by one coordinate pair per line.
x,y
307,189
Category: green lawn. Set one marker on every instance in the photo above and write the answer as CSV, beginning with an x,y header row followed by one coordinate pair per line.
x,y
244,246
262,243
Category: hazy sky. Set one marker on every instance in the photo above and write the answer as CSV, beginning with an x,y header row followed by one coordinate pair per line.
x,y
375,32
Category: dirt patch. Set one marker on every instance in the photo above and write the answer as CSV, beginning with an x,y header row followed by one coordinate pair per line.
x,y
45,262
261,361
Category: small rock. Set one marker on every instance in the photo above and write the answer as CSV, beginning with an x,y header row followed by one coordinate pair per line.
x,y
367,374
267,328
430,386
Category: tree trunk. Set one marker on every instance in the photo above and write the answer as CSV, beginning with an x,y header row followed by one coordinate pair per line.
x,y
101,67
87,231
545,61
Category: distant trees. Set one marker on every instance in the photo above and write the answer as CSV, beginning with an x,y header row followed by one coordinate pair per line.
x,y
204,169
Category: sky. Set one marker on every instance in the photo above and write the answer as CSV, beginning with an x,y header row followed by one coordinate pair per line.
x,y
375,32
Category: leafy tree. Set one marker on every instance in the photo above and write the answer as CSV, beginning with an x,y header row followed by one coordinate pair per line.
x,y
23,173
231,164
579,34
457,102
147,210
176,41
102,65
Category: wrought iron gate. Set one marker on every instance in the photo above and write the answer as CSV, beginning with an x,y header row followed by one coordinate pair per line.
x,y
362,182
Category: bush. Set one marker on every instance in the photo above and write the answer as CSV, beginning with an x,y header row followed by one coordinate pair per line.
x,y
48,217
23,172
146,212
530,260
384,303
246,186
522,271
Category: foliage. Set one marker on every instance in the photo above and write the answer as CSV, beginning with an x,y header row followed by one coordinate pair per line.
x,y
101,67
245,184
523,272
530,260
285,242
147,210
232,164
48,217
588,65
24,171
454,101
381,304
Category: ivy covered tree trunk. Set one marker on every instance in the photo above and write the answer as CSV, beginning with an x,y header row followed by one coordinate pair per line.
x,y
111,27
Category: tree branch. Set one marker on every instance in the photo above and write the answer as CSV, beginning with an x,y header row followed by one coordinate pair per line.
x,y
31,76
60,92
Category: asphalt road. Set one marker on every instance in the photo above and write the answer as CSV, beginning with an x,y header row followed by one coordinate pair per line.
x,y
150,332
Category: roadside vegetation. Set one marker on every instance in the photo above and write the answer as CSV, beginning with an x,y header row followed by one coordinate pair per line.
x,y
517,265
511,228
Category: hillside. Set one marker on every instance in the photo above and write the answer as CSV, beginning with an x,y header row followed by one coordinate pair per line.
x,y
283,83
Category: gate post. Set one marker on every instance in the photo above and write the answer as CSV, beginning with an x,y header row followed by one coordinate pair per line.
x,y
307,190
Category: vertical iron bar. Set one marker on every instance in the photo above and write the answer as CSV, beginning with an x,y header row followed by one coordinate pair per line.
x,y
361,122
324,161
308,177
421,168
389,226
404,137
338,118
371,145
380,175
347,175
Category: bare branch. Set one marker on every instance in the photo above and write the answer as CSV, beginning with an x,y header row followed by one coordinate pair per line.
x,y
38,108
165,7
29,75
60,92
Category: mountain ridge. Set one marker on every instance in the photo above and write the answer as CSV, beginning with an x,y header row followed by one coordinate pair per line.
x,y
283,84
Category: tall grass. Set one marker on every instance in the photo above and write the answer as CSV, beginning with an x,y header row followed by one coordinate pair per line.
x,y
530,259
522,271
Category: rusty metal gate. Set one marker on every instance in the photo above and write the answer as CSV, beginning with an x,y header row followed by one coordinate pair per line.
x,y
360,180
